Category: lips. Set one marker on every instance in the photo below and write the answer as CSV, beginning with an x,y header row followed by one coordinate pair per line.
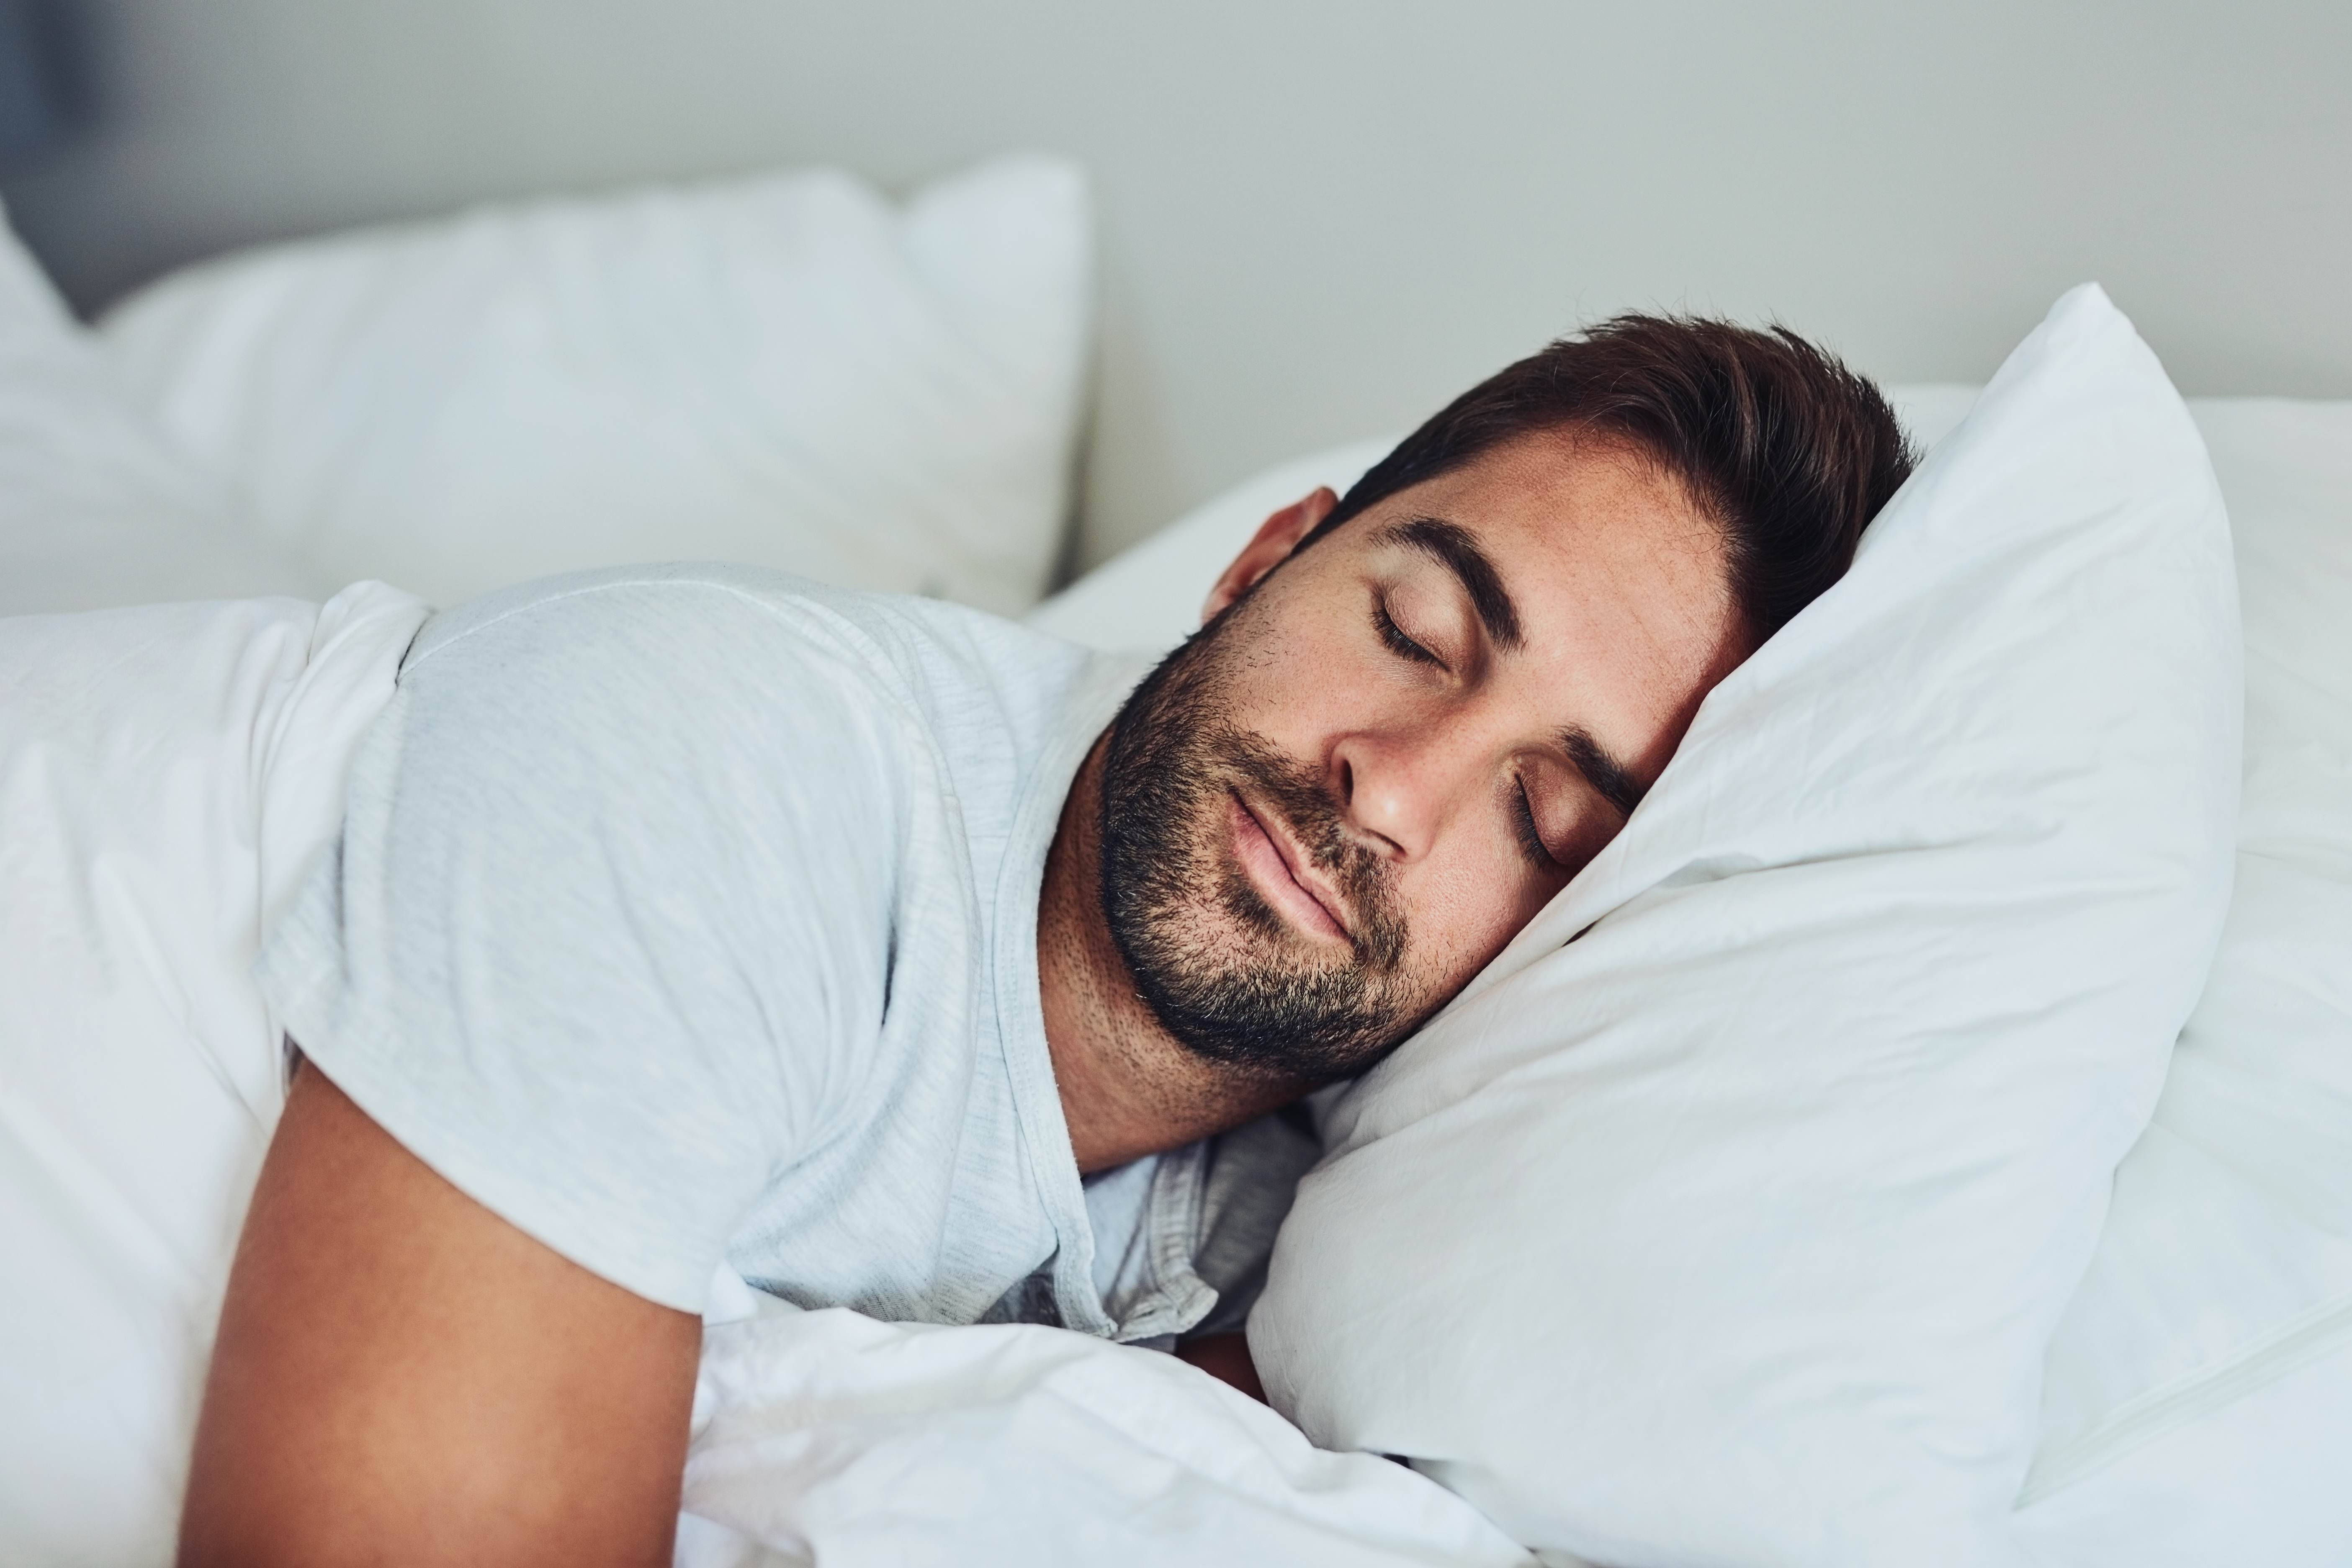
x,y
1280,870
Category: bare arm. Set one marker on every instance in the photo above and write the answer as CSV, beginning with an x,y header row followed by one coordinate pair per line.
x,y
402,1376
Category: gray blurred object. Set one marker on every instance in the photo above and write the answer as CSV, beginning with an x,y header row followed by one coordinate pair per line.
x,y
40,101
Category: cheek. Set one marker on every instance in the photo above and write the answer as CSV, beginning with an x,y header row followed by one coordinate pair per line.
x,y
1297,680
1464,909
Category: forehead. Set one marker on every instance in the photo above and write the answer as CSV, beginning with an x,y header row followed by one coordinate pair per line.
x,y
1566,492
1576,524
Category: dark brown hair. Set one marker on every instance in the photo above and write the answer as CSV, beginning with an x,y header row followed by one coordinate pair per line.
x,y
1789,452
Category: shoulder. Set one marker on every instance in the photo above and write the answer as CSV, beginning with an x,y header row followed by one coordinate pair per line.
x,y
713,668
734,626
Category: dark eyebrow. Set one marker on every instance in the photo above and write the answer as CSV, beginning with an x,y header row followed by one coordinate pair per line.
x,y
1453,547
1612,779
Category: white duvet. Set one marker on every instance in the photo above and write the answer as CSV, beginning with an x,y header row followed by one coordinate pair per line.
x,y
829,1437
166,775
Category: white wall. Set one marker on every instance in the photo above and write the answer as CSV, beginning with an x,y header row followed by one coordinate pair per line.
x,y
1323,217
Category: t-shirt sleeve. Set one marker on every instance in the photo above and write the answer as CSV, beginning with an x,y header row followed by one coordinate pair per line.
x,y
609,911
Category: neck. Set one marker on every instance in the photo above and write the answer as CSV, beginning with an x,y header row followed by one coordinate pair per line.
x,y
1128,1087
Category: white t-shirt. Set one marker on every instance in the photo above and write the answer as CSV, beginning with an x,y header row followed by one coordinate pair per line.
x,y
687,914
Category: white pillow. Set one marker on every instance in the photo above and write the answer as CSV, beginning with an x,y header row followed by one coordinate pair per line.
x,y
2199,1403
1725,1218
786,370
2197,1400
96,508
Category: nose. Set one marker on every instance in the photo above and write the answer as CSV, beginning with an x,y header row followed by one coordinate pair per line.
x,y
1395,790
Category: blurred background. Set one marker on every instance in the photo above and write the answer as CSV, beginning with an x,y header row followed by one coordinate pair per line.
x,y
1320,218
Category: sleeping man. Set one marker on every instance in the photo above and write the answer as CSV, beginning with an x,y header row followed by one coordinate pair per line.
x,y
696,922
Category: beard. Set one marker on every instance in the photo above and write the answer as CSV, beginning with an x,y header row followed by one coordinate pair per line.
x,y
1225,974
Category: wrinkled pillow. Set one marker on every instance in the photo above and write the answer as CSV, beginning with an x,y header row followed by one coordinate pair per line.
x,y
2198,1404
96,508
1725,1218
788,370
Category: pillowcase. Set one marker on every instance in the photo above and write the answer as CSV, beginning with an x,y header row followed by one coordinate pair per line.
x,y
96,508
786,370
1724,1219
2197,1404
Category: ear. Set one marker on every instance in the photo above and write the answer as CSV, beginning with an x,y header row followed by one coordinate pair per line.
x,y
1268,548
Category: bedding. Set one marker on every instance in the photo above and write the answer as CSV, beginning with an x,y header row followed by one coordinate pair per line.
x,y
1725,1218
829,1437
167,774
787,370
2199,1398
96,507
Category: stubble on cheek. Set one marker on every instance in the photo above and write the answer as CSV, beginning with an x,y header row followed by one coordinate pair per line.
x,y
1227,975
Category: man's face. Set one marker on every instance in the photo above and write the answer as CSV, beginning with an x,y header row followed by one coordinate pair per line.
x,y
1325,813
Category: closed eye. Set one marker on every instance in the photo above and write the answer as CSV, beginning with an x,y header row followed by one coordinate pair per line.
x,y
1394,636
1531,844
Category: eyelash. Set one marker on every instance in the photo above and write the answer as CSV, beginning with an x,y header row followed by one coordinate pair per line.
x,y
1531,844
1522,818
1394,636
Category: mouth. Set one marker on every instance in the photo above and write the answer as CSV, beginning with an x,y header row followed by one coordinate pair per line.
x,y
1279,871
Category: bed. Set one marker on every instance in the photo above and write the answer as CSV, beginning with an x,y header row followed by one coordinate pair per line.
x,y
201,494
